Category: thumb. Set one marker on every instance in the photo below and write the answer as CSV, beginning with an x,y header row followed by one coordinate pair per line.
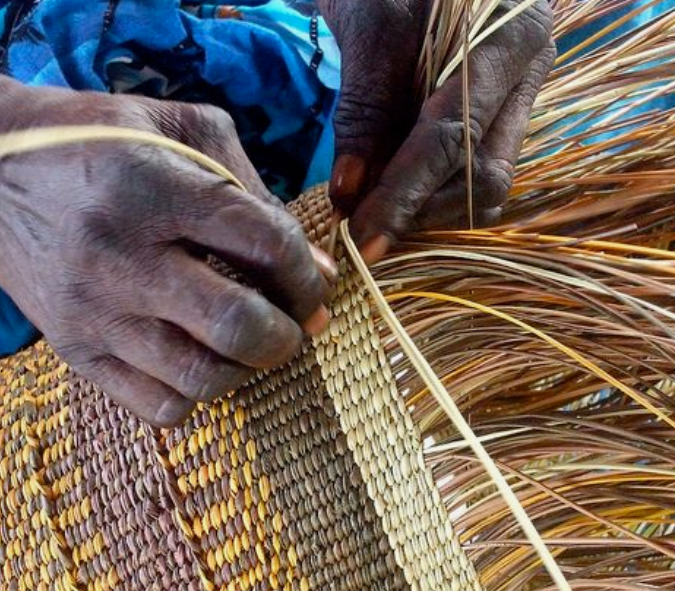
x,y
376,108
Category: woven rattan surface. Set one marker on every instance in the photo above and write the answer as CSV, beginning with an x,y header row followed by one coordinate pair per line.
x,y
311,477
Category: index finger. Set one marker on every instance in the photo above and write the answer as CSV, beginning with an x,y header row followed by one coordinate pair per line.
x,y
434,151
263,242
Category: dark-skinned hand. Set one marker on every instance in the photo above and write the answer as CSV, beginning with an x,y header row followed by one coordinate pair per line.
x,y
103,251
401,169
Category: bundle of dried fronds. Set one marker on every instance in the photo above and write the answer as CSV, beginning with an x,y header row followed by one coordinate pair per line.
x,y
555,333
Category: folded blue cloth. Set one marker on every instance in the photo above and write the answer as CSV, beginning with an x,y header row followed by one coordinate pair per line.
x,y
273,68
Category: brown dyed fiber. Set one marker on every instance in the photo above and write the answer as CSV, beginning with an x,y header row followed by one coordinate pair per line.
x,y
310,478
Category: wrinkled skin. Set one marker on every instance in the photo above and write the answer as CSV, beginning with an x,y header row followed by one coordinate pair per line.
x,y
401,169
103,245
100,249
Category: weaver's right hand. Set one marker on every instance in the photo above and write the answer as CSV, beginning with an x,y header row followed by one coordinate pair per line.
x,y
102,248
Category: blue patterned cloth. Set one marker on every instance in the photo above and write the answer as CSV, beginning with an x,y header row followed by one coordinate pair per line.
x,y
275,69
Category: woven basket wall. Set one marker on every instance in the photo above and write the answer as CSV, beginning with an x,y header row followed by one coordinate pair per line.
x,y
310,478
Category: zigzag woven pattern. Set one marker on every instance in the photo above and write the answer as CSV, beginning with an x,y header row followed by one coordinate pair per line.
x,y
311,477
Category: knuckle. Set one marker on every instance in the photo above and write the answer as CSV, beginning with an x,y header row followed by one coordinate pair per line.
x,y
237,321
538,20
91,228
370,113
251,332
543,11
359,109
533,26
194,378
525,96
282,247
395,15
293,244
535,78
77,354
496,179
214,119
162,116
448,135
89,364
396,217
203,377
190,123
548,56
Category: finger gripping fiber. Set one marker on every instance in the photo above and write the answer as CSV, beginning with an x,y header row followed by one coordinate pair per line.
x,y
309,478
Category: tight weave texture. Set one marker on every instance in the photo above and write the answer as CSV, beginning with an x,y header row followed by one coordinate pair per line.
x,y
310,477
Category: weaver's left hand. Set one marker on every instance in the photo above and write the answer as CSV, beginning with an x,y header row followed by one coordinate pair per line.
x,y
400,169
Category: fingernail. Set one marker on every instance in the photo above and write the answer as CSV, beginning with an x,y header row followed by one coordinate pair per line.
x,y
375,249
326,264
317,322
350,174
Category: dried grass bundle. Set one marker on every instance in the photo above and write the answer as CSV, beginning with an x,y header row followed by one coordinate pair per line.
x,y
554,333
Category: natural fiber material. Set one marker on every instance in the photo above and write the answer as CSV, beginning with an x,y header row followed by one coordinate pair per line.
x,y
310,478
554,334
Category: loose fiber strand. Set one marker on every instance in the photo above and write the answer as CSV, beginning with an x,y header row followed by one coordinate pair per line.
x,y
447,403
30,140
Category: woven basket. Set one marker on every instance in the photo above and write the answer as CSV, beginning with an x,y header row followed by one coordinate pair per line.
x,y
311,477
